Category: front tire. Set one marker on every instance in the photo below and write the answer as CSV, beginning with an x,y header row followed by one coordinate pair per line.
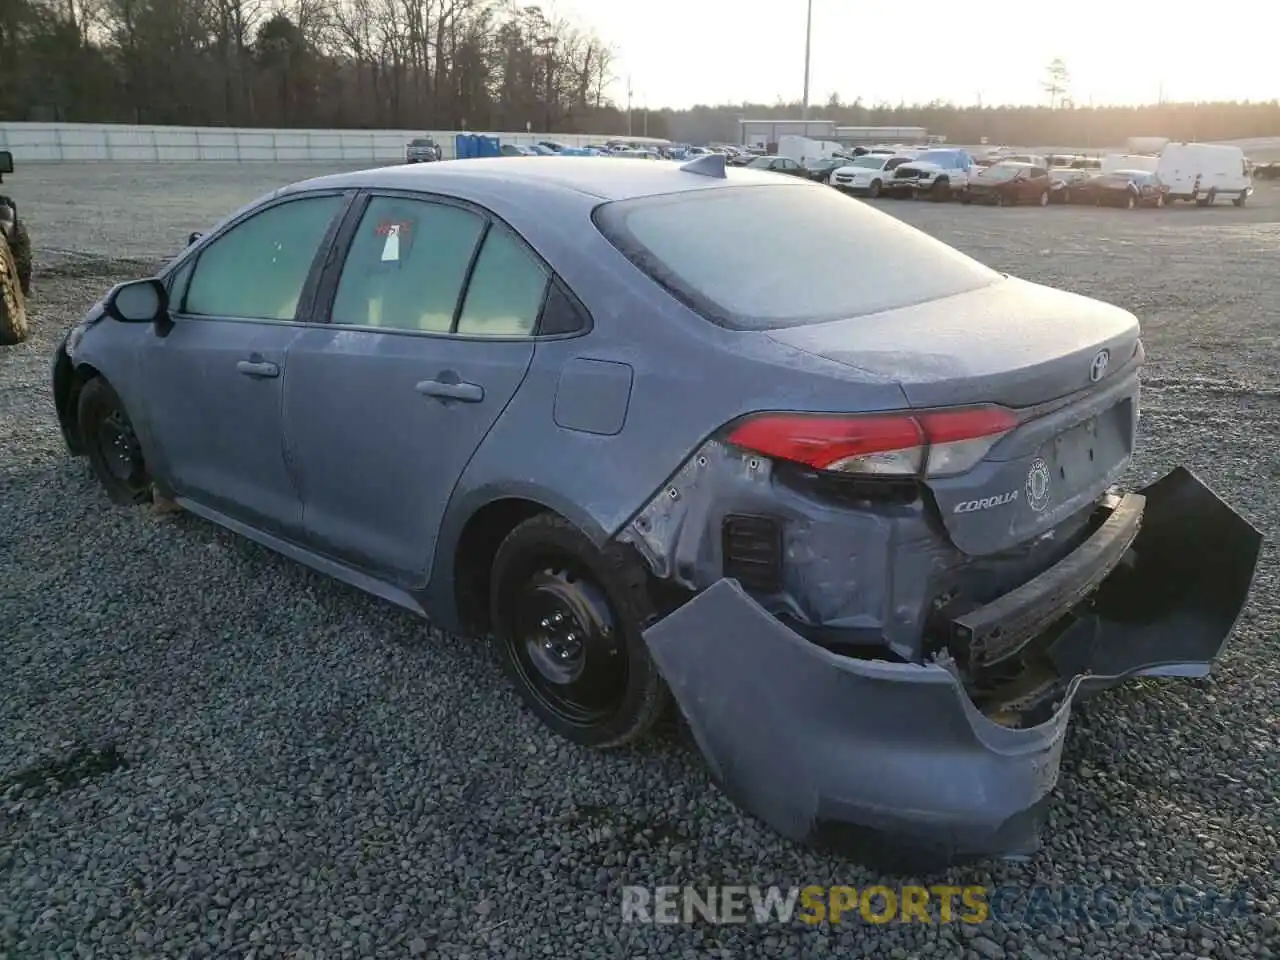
x,y
1131,202
115,455
874,190
568,620
1044,198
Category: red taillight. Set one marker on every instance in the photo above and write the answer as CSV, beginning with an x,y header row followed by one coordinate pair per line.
x,y
936,443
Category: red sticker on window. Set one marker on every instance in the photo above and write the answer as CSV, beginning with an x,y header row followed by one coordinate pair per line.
x,y
399,227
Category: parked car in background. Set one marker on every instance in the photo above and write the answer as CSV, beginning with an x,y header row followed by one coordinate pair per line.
x,y
868,173
1267,171
1122,188
821,170
1066,171
778,165
636,153
936,174
433,386
422,150
517,150
1008,183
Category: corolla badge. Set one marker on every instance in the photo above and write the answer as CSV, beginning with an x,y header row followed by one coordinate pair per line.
x,y
1098,369
1038,485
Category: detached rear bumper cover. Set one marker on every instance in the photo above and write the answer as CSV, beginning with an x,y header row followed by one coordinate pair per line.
x,y
820,745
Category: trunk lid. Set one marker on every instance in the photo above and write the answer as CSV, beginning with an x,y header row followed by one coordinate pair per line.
x,y
1066,363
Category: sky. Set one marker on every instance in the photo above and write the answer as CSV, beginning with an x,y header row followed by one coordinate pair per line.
x,y
682,52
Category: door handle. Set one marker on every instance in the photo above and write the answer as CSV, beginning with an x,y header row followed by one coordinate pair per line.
x,y
466,392
258,368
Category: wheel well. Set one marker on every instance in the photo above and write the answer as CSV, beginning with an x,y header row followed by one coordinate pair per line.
x,y
69,401
473,562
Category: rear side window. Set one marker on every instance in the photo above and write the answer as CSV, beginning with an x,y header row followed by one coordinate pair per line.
x,y
407,265
506,291
764,257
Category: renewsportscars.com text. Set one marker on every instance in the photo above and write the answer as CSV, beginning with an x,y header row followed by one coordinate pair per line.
x,y
975,904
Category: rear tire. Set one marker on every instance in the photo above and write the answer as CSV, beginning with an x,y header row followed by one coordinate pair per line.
x,y
1131,202
13,305
568,620
1240,200
21,248
1044,198
112,446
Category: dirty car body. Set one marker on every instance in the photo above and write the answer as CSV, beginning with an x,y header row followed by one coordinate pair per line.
x,y
878,504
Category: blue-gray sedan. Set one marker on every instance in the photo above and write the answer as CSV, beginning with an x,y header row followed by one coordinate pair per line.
x,y
666,431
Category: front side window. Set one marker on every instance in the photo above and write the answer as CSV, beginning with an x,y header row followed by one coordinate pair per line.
x,y
507,288
407,265
762,257
258,268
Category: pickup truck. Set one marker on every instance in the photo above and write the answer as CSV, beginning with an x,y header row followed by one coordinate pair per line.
x,y
938,174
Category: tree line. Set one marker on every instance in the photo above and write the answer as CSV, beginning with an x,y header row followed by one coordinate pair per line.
x,y
446,64
427,64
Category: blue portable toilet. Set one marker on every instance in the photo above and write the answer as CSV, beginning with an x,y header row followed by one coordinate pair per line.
x,y
471,145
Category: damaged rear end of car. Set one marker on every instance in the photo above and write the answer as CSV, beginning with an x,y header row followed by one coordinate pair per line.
x,y
892,612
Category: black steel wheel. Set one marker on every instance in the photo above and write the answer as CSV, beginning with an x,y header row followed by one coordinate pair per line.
x,y
568,619
115,455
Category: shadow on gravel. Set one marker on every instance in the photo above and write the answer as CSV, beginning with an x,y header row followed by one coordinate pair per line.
x,y
73,770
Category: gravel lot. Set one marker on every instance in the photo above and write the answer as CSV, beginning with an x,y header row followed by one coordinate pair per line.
x,y
206,750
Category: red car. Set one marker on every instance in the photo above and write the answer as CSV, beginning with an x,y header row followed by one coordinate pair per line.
x,y
1010,182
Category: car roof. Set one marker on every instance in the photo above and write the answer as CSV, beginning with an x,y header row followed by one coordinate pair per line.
x,y
605,178
1026,164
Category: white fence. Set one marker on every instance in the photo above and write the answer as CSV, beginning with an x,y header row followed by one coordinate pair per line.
x,y
122,143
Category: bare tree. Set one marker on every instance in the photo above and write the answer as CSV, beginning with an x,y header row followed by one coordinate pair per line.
x,y
1056,81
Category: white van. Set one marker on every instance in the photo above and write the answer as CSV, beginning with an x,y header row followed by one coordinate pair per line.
x,y
1205,171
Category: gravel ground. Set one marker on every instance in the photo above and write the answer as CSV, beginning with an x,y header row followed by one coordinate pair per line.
x,y
206,750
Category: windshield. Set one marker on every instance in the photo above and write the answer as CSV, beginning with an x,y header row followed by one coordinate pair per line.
x,y
764,257
420,142
870,162
940,157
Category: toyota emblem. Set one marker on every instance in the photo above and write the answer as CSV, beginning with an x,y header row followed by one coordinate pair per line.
x,y
1098,369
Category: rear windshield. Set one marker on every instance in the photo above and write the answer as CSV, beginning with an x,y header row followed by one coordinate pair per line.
x,y
764,257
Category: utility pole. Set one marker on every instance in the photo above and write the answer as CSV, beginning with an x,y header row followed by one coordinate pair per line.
x,y
808,42
628,104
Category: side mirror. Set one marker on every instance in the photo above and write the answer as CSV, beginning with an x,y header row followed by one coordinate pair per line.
x,y
195,235
139,301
